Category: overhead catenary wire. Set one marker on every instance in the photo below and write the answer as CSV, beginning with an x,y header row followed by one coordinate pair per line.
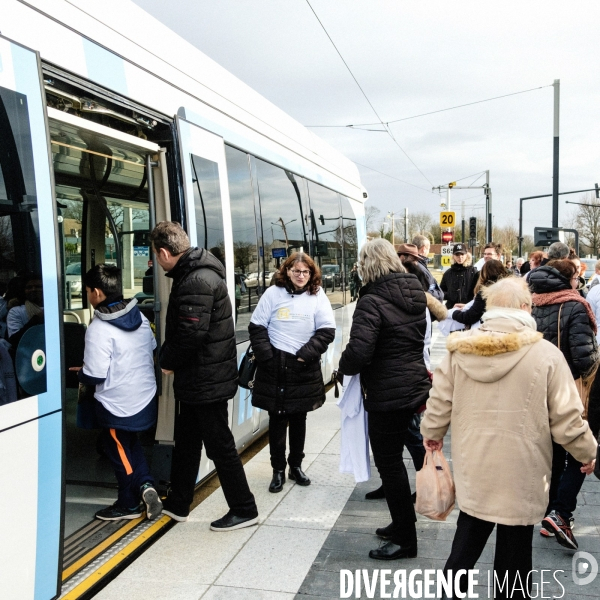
x,y
381,122
392,177
433,112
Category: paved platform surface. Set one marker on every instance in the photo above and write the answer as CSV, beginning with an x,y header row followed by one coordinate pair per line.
x,y
306,536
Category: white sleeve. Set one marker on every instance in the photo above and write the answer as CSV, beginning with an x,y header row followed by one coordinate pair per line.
x,y
98,352
263,311
324,314
16,319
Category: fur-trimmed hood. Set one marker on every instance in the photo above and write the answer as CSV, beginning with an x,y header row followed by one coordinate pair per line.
x,y
436,308
487,354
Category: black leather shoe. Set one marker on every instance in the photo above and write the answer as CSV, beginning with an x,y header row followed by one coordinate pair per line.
x,y
230,522
391,551
375,494
385,533
277,481
299,476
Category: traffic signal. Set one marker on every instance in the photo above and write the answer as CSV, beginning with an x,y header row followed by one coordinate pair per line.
x,y
473,228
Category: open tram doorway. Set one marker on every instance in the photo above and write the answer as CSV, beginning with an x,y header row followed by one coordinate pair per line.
x,y
104,216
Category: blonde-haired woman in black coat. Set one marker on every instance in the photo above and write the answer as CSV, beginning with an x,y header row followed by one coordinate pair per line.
x,y
386,348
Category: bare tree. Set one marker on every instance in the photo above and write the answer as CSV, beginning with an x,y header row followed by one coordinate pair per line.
x,y
420,223
371,217
588,223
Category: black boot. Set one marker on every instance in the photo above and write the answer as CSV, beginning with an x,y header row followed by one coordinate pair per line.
x,y
375,494
277,481
299,476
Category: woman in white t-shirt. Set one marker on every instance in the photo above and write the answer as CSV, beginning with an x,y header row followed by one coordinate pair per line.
x,y
290,329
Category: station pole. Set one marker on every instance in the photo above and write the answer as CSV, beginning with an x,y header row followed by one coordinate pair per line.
x,y
488,209
556,86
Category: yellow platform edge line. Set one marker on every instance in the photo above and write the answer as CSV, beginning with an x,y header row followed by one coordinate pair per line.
x,y
96,550
109,565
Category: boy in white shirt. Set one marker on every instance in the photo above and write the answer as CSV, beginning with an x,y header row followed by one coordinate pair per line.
x,y
118,360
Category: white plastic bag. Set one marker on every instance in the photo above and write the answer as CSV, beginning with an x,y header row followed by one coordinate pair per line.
x,y
435,487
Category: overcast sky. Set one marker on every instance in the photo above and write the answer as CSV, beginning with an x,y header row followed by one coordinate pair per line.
x,y
413,57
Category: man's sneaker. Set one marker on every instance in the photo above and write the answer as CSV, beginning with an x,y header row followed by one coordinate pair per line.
x,y
562,530
176,516
152,501
230,522
118,513
548,533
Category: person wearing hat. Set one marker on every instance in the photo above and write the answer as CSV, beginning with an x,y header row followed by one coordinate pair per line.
x,y
430,285
458,282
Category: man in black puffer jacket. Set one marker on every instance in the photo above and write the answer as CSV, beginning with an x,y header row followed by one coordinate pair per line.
x,y
199,349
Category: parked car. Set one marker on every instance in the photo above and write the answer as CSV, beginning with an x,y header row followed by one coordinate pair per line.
x,y
73,277
252,279
331,276
590,267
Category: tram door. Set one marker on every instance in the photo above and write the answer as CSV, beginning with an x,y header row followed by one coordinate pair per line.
x,y
209,226
30,350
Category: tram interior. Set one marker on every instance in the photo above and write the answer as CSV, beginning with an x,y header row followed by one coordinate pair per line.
x,y
103,213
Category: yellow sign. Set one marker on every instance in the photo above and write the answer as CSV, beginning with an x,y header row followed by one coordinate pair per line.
x,y
446,260
447,218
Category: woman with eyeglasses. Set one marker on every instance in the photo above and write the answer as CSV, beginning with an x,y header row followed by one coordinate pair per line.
x,y
290,329
566,320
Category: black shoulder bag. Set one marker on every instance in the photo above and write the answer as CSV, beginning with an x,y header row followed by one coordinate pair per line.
x,y
247,371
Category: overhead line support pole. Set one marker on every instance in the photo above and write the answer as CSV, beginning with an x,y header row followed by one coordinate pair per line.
x,y
555,193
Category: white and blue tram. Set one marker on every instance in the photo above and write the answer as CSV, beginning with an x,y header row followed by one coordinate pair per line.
x,y
109,122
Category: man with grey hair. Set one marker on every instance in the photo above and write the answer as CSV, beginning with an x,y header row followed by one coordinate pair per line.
x,y
557,251
423,244
199,350
519,266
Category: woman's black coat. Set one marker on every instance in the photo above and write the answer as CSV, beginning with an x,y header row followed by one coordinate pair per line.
x,y
472,314
284,384
386,344
577,338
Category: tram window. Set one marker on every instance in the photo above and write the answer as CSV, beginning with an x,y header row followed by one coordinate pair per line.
x,y
326,239
350,241
208,206
102,203
281,207
21,304
245,245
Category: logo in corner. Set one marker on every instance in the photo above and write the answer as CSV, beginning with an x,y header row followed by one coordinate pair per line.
x,y
584,568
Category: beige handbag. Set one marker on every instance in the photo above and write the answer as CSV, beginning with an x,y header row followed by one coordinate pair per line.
x,y
583,384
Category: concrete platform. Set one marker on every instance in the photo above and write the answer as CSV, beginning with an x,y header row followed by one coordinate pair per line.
x,y
306,536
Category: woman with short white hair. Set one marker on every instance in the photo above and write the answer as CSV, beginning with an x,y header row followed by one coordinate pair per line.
x,y
508,394
386,348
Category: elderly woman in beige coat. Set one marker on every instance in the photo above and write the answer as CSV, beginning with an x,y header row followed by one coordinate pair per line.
x,y
508,394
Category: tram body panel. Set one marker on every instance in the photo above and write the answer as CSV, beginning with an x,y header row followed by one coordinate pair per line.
x,y
31,423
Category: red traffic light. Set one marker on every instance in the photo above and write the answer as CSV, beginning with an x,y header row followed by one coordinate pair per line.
x,y
447,236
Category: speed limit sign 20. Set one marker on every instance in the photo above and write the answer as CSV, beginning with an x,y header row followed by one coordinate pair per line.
x,y
447,218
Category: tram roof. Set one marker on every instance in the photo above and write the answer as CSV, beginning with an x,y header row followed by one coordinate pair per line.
x,y
157,50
